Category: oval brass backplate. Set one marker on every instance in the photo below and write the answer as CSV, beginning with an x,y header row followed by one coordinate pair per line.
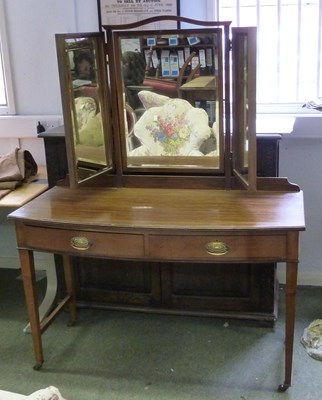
x,y
216,248
80,243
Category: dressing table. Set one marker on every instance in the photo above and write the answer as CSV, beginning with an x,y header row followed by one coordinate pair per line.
x,y
170,198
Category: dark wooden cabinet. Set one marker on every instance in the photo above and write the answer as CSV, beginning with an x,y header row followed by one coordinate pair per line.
x,y
56,156
236,290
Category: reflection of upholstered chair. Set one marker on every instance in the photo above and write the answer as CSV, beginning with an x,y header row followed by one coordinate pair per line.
x,y
130,121
173,127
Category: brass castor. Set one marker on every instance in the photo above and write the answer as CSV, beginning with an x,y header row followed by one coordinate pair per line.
x,y
37,366
283,387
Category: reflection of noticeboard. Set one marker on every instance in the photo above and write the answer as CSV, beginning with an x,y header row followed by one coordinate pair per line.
x,y
115,12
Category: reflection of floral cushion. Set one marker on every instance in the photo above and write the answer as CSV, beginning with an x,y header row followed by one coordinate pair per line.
x,y
85,110
150,99
174,129
92,133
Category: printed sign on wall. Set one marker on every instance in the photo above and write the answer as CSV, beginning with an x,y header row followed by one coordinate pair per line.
x,y
119,12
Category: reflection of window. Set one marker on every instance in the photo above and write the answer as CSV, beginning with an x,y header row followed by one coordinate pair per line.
x,y
6,92
289,47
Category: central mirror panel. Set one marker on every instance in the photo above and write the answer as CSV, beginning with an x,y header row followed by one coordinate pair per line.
x,y
172,86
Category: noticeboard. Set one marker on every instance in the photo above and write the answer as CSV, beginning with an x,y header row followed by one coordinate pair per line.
x,y
120,12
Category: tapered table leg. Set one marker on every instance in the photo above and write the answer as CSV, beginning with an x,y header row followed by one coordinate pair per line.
x,y
51,291
70,286
30,288
290,295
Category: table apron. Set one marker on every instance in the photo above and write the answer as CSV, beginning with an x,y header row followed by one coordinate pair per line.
x,y
232,246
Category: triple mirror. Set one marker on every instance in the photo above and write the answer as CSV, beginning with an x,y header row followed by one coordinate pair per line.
x,y
141,104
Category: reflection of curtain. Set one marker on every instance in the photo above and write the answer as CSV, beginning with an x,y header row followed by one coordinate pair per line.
x,y
133,72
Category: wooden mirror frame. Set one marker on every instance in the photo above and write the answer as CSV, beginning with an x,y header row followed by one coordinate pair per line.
x,y
244,106
118,172
202,178
97,158
210,162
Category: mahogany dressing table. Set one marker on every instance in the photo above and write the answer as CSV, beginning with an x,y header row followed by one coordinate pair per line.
x,y
164,225
177,187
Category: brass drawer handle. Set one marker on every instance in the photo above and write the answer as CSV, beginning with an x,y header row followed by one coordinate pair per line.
x,y
216,248
80,243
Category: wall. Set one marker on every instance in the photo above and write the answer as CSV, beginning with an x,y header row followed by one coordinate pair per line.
x,y
300,161
31,28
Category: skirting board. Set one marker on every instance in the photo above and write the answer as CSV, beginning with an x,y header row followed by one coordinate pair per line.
x,y
42,261
305,277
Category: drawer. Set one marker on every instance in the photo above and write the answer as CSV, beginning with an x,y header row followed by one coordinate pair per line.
x,y
83,243
218,248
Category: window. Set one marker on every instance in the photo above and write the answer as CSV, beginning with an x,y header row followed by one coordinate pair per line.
x,y
289,48
6,92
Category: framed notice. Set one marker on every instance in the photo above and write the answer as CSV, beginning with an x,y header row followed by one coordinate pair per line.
x,y
119,12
